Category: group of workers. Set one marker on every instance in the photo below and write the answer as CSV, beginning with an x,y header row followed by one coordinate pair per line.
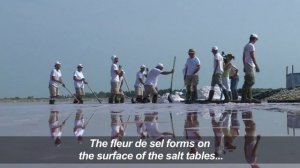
x,y
225,76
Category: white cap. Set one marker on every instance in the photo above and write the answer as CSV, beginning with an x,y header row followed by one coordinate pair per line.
x,y
160,65
143,66
57,63
254,35
80,65
113,57
215,48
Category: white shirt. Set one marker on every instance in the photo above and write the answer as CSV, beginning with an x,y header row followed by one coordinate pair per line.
x,y
114,76
78,75
218,61
57,75
247,50
140,75
152,77
191,65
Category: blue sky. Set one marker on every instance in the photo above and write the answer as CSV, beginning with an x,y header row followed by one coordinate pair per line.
x,y
36,33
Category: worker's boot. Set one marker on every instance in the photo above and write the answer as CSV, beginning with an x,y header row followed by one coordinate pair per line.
x,y
193,97
75,101
51,101
80,100
249,93
110,100
139,99
211,95
146,100
122,100
117,99
225,92
188,97
245,94
230,95
154,99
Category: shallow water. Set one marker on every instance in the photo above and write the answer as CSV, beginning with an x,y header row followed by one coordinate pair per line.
x,y
270,120
31,119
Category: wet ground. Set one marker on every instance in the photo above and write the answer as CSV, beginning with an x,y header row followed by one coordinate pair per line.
x,y
210,120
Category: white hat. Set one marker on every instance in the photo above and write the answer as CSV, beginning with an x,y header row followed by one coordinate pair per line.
x,y
254,35
57,63
160,65
143,66
80,65
113,57
215,48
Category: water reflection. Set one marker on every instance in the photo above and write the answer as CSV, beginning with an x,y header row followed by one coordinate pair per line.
x,y
152,127
293,121
235,124
117,127
227,127
217,122
191,129
224,125
79,126
55,127
251,139
140,126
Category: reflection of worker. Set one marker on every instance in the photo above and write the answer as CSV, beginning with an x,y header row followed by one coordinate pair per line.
x,y
235,125
55,127
117,127
151,126
226,126
191,129
218,134
140,127
79,126
251,140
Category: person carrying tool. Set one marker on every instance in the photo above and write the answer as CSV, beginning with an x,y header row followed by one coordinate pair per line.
x,y
152,81
140,82
115,80
79,82
55,80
